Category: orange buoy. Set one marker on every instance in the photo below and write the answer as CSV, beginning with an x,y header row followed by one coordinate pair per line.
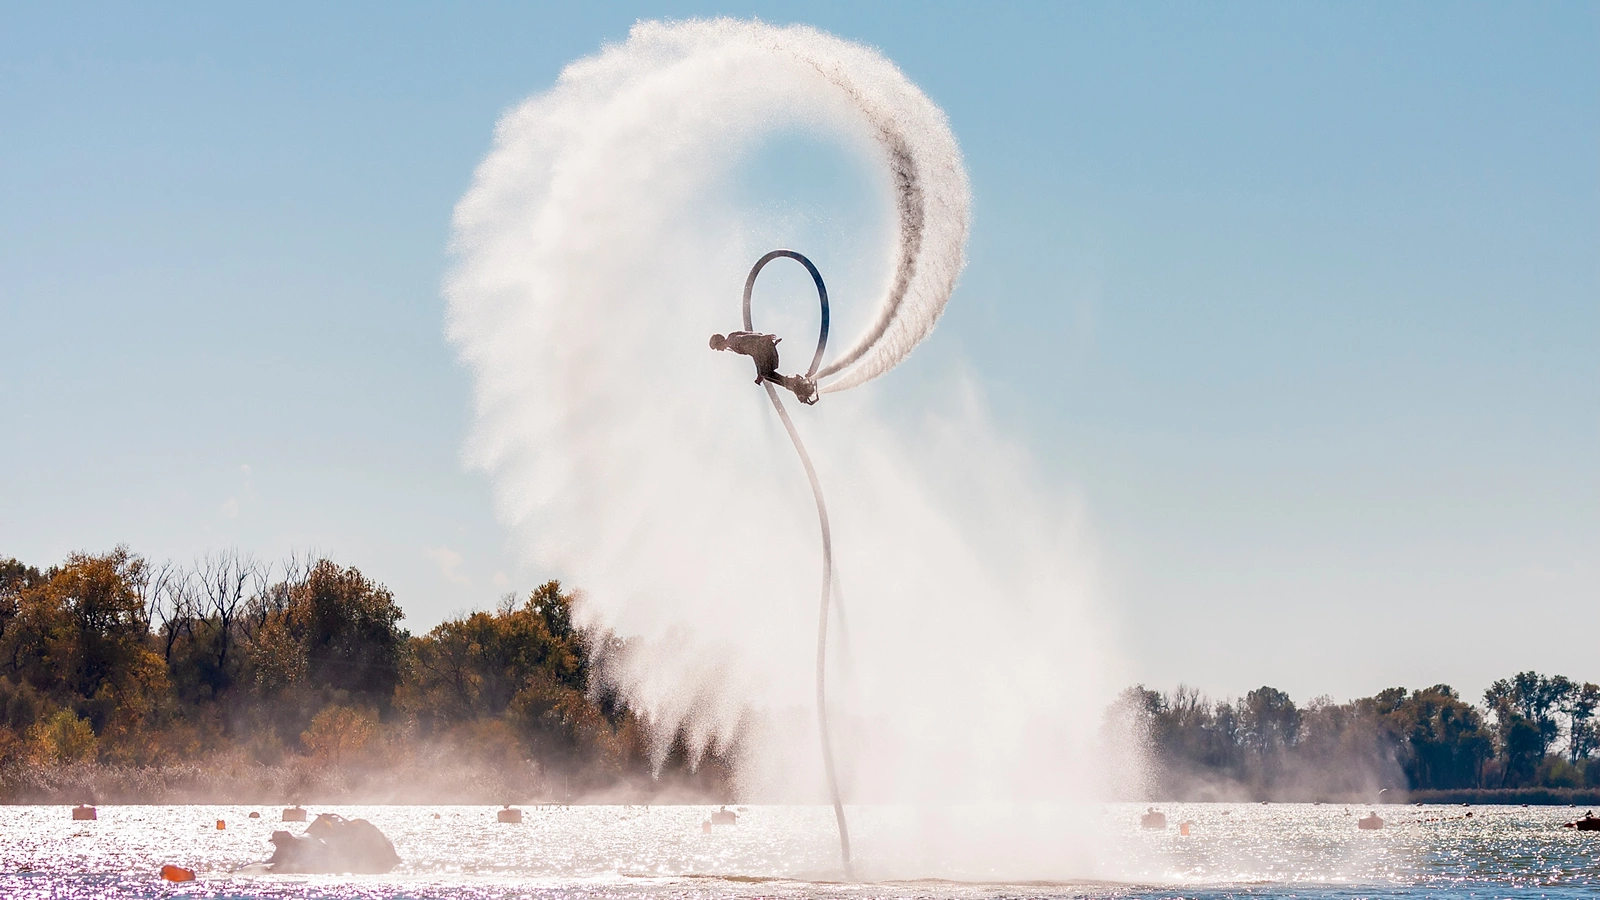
x,y
221,825
176,873
705,827
1183,828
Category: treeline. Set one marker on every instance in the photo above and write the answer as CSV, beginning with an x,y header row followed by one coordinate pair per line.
x,y
233,680
1531,732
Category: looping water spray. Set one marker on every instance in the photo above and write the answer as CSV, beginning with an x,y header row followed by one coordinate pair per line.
x,y
574,178
763,349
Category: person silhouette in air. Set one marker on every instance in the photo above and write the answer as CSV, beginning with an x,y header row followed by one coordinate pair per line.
x,y
763,350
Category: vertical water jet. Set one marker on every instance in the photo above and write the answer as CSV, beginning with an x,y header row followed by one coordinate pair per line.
x,y
804,387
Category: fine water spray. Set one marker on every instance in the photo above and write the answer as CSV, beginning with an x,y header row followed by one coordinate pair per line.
x,y
575,286
601,241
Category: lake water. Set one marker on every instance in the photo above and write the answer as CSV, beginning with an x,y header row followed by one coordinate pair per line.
x,y
1233,850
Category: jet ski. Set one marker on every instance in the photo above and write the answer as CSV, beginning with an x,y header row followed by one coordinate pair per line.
x,y
333,845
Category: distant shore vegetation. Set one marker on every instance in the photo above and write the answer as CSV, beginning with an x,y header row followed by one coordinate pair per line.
x,y
237,681
242,682
1533,738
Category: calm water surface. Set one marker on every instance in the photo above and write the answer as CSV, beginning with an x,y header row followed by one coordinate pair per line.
x,y
1234,850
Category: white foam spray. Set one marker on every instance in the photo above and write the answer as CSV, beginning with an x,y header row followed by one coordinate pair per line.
x,y
597,249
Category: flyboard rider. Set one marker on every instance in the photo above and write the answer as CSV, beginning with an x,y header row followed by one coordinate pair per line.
x,y
763,350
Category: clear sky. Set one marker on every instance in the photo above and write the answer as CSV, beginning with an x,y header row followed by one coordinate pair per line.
x,y
1302,299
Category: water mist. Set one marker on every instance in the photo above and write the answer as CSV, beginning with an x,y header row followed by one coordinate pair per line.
x,y
598,246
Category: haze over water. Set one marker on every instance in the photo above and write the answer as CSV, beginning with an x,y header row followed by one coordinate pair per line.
x,y
1279,850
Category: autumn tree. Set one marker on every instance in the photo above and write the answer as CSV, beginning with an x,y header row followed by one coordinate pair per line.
x,y
525,665
349,626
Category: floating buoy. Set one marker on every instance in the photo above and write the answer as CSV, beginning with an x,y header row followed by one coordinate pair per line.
x,y
83,812
436,815
221,825
705,827
294,814
177,873
510,816
255,815
1183,828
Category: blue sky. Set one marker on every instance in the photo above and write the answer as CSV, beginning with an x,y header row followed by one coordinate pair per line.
x,y
1303,300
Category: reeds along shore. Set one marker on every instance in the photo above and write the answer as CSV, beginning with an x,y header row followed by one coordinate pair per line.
x,y
234,681
429,778
1505,796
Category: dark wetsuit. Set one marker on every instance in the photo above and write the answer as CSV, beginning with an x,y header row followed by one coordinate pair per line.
x,y
762,348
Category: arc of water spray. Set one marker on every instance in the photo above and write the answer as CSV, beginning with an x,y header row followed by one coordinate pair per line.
x,y
822,519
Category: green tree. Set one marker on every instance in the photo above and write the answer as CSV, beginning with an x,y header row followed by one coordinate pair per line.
x,y
24,624
1524,708
474,666
519,677
350,629
324,635
1270,727
478,665
1344,749
1443,738
1579,706
1271,720
15,579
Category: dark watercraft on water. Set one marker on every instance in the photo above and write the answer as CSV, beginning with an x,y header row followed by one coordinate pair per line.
x,y
1587,823
333,845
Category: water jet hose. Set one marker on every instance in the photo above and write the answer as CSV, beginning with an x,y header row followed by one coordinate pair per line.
x,y
827,534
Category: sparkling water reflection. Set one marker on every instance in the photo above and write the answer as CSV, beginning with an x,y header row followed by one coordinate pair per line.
x,y
1279,850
